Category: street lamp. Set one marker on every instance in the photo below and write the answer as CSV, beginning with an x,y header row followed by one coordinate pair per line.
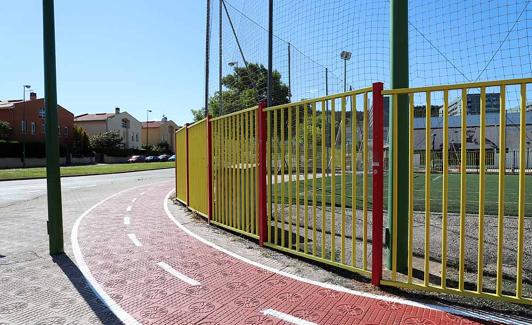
x,y
24,124
233,64
148,111
346,56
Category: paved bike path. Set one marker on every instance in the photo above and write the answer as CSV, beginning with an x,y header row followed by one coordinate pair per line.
x,y
150,271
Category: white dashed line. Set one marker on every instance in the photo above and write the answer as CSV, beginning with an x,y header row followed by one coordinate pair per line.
x,y
134,239
286,317
134,199
142,193
177,274
126,221
128,208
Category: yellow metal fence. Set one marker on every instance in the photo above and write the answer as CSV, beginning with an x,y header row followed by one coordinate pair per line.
x,y
198,168
313,180
463,253
235,172
181,164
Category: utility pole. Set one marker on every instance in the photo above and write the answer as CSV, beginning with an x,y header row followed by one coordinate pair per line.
x,y
207,53
220,46
399,79
53,178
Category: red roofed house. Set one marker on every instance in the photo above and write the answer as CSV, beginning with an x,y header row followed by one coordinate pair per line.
x,y
128,126
155,132
27,119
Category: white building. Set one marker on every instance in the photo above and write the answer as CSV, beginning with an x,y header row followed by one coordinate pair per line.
x,y
129,127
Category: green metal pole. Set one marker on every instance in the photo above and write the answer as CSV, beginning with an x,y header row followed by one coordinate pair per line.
x,y
53,178
399,79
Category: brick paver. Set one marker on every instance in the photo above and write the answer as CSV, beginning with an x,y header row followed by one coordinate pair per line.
x,y
230,290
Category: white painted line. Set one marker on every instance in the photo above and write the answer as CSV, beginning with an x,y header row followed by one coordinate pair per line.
x,y
286,317
134,239
78,187
460,312
134,199
119,312
177,274
142,193
128,208
126,221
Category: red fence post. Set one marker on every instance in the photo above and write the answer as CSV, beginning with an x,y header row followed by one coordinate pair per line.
x,y
261,165
378,182
209,168
186,152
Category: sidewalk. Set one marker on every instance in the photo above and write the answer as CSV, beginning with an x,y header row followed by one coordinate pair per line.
x,y
151,271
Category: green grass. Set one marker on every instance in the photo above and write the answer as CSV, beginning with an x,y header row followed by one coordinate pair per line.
x,y
490,202
40,172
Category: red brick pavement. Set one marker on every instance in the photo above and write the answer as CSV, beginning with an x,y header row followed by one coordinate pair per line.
x,y
231,291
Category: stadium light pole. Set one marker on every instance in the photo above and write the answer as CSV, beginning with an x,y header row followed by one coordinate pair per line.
x,y
53,178
207,54
345,56
270,52
399,79
24,124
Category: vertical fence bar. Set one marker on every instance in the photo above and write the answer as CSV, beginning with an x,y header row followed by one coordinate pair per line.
x,y
188,170
354,180
365,186
261,168
249,171
283,155
269,170
305,184
255,207
290,147
502,172
314,199
323,181
394,188
428,161
209,168
275,178
481,187
343,184
521,212
333,183
243,169
378,184
238,167
298,154
411,186
445,158
234,148
463,189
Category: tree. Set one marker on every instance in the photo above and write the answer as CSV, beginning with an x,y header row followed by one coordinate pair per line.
x,y
245,87
5,130
81,142
198,114
106,140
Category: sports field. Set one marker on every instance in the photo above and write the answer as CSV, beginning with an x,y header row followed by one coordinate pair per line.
x,y
490,201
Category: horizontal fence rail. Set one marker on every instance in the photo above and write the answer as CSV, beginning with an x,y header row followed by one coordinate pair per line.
x,y
472,241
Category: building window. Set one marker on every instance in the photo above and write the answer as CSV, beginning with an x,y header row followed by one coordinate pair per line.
x,y
66,131
33,128
43,128
137,137
59,130
132,136
23,127
42,113
125,123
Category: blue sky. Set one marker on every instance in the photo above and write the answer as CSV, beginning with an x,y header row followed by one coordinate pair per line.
x,y
133,54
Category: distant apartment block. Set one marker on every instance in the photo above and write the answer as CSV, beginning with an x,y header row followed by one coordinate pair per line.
x,y
493,104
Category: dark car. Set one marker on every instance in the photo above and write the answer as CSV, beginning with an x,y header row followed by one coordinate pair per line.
x,y
164,157
136,159
152,158
172,158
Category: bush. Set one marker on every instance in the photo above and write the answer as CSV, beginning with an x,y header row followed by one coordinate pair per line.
x,y
106,141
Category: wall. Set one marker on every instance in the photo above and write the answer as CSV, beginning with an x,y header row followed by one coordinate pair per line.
x,y
41,162
93,127
115,124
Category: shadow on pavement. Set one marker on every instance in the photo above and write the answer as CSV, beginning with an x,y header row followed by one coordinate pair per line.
x,y
101,311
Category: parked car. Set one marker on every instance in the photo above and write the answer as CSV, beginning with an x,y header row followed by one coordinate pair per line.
x,y
164,157
152,158
136,159
172,158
